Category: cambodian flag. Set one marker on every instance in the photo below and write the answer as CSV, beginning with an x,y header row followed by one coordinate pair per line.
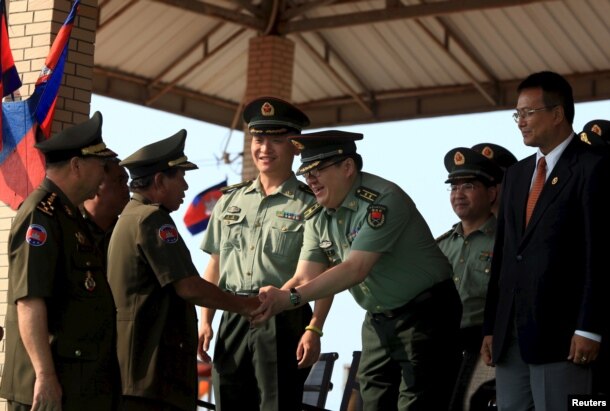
x,y
47,86
198,214
9,81
22,166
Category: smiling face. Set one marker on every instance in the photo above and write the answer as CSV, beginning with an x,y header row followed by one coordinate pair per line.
x,y
272,155
331,184
472,203
539,129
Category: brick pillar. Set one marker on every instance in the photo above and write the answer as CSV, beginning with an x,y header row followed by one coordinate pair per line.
x,y
270,68
32,27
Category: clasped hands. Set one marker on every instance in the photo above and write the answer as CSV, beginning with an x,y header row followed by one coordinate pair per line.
x,y
270,301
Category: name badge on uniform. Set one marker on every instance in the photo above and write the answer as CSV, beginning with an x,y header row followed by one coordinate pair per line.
x,y
233,209
229,217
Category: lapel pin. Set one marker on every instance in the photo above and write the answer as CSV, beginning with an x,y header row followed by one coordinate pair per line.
x,y
555,180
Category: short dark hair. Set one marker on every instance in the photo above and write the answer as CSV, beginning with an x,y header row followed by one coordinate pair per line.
x,y
146,181
556,91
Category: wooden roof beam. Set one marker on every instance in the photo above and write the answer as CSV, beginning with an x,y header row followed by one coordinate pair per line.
x,y
249,7
336,77
304,8
461,65
397,13
221,13
193,66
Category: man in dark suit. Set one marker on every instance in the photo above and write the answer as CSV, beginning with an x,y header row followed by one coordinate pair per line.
x,y
547,297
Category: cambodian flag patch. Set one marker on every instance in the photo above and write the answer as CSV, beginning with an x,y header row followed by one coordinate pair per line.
x,y
36,235
168,233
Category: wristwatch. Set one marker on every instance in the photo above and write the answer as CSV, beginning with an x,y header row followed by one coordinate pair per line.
x,y
295,297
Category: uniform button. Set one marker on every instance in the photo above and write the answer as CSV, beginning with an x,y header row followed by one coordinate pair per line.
x,y
487,270
378,307
248,273
461,260
78,353
257,224
344,245
466,242
251,247
181,345
519,258
88,263
456,279
340,222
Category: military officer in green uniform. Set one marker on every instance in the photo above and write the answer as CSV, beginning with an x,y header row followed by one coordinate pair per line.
x,y
254,239
503,158
371,239
101,212
156,285
60,321
468,245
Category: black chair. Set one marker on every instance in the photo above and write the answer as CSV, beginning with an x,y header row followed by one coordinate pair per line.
x,y
318,384
352,400
316,387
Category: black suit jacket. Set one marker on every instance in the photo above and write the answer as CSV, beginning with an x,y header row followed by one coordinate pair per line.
x,y
551,277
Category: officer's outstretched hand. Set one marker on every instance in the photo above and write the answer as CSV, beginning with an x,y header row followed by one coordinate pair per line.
x,y
273,301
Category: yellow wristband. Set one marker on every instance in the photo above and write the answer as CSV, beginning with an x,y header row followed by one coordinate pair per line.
x,y
315,330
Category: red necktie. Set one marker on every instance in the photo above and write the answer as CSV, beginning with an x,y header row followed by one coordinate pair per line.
x,y
536,189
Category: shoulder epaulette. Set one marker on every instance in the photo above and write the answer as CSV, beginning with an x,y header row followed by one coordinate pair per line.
x,y
445,235
46,204
305,188
234,187
312,210
367,194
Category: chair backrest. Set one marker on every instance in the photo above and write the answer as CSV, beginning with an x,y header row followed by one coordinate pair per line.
x,y
352,400
318,381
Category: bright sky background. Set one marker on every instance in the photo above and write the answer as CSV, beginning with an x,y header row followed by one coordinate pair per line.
x,y
409,153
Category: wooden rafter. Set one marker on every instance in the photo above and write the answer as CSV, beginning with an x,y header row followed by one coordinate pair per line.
x,y
116,15
249,7
457,61
193,66
217,12
336,76
397,13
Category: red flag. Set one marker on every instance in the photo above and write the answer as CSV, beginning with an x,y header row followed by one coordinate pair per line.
x,y
9,80
198,214
22,166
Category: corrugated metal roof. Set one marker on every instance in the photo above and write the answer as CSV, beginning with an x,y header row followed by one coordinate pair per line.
x,y
355,61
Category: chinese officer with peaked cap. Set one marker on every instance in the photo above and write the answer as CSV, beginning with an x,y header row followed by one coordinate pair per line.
x,y
468,245
156,285
254,238
596,133
58,290
503,158
371,239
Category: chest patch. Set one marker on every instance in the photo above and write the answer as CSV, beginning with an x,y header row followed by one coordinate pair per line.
x,y
376,215
36,235
168,233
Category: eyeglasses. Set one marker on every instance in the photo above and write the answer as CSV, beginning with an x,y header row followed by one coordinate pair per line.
x,y
465,187
525,114
316,171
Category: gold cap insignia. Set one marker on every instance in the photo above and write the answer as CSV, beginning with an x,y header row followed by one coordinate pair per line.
x,y
458,158
584,138
267,109
488,152
298,145
91,150
596,129
555,180
177,161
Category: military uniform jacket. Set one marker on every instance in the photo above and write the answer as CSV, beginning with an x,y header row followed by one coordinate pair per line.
x,y
470,258
258,237
157,330
378,216
52,256
101,237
